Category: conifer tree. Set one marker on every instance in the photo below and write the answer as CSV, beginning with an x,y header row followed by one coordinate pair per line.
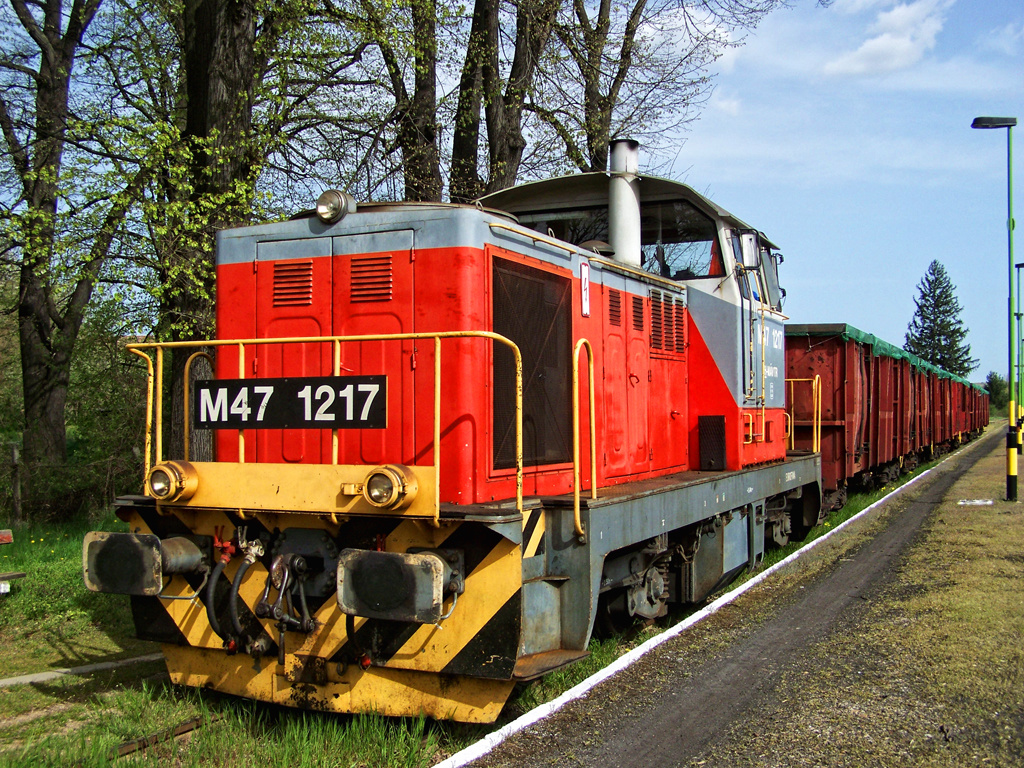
x,y
936,333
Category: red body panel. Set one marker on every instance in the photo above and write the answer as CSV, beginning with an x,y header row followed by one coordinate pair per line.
x,y
644,426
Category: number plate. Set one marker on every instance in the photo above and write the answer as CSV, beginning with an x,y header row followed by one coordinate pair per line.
x,y
326,402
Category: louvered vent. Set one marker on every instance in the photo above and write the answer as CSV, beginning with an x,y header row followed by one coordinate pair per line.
x,y
638,313
371,277
680,326
614,307
293,283
657,324
668,324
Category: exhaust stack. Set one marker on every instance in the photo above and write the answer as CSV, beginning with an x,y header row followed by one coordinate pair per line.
x,y
624,202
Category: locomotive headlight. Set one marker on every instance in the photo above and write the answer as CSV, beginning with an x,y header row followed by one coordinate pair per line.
x,y
159,483
333,204
390,486
173,481
380,489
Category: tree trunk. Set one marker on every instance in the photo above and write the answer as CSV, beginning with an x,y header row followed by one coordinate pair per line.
x,y
466,185
46,334
417,131
220,76
45,372
504,112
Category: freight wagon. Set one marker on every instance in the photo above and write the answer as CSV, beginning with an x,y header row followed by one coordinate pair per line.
x,y
882,409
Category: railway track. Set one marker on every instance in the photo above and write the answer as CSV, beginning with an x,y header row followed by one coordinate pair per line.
x,y
168,734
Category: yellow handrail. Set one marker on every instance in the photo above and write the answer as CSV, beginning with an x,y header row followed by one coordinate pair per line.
x,y
187,401
815,412
149,407
154,406
576,432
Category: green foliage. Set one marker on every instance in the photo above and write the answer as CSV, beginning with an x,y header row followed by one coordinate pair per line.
x,y
936,333
105,419
998,391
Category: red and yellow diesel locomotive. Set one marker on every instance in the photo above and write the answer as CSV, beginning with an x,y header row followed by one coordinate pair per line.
x,y
449,440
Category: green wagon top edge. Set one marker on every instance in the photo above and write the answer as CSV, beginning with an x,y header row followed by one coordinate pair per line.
x,y
881,347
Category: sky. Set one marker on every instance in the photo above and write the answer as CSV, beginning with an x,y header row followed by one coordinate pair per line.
x,y
843,133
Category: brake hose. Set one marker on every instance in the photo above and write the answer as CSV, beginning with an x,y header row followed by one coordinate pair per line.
x,y
233,598
211,588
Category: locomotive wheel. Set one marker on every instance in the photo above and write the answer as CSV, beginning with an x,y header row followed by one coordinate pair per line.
x,y
778,533
613,618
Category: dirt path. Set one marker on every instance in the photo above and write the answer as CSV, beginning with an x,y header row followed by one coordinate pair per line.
x,y
677,702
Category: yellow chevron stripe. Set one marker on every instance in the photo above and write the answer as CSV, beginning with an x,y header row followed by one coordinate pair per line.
x,y
530,547
494,581
388,691
488,588
330,636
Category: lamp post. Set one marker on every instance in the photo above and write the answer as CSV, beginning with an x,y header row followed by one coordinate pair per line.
x,y
1012,436
1019,341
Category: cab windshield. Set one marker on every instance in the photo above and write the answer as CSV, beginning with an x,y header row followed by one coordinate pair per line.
x,y
676,239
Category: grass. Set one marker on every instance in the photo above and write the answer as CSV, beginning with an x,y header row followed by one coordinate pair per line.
x,y
933,671
233,733
50,620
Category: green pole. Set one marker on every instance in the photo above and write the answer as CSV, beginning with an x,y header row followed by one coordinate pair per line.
x,y
1019,341
1012,433
1011,492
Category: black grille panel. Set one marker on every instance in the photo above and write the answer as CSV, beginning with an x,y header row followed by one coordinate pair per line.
x,y
711,432
614,307
531,307
668,323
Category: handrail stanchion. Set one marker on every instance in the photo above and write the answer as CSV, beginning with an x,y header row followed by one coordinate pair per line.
x,y
577,520
149,409
187,401
336,349
817,413
519,427
159,407
816,406
241,375
437,431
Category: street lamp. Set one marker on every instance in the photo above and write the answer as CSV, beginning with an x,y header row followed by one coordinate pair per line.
x,y
1012,436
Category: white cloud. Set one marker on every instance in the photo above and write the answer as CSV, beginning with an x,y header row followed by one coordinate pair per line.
x,y
1008,39
858,6
731,106
954,77
903,35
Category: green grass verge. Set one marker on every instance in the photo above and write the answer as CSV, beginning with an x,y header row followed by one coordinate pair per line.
x,y
233,733
50,620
